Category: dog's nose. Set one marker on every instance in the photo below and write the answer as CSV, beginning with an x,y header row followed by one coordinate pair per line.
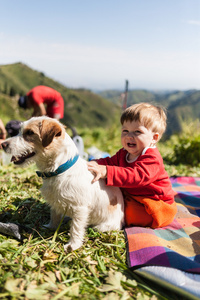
x,y
4,145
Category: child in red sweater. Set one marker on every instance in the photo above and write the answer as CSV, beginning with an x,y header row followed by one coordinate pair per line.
x,y
138,168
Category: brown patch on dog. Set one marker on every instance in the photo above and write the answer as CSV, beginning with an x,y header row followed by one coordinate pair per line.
x,y
42,132
49,130
31,132
113,204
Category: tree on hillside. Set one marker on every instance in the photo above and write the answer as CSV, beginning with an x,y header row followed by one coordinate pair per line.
x,y
12,92
5,90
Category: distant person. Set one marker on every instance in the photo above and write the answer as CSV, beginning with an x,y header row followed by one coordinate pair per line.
x,y
138,168
44,101
13,127
2,132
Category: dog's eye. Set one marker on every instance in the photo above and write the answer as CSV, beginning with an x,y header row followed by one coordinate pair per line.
x,y
58,134
29,132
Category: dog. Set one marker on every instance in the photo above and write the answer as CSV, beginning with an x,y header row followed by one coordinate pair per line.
x,y
67,182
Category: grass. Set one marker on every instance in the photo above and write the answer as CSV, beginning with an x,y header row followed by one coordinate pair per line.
x,y
38,267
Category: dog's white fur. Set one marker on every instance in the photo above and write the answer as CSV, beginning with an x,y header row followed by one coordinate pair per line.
x,y
71,192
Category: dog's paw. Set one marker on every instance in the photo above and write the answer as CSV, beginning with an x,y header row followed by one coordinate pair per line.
x,y
69,247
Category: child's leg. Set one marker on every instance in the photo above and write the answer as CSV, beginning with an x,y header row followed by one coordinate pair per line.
x,y
136,214
140,211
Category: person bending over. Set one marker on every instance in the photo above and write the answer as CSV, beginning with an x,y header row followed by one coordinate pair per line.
x,y
44,101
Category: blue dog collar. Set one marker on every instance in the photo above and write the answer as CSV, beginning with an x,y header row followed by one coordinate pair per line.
x,y
64,167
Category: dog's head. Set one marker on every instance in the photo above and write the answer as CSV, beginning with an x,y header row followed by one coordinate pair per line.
x,y
38,136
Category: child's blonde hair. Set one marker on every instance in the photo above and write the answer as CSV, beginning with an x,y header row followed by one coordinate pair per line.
x,y
150,116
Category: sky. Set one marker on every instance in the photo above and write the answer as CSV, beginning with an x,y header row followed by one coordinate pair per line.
x,y
98,44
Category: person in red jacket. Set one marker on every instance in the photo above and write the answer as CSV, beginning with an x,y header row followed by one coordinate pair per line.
x,y
44,101
138,168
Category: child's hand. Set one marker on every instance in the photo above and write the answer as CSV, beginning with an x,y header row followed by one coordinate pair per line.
x,y
99,171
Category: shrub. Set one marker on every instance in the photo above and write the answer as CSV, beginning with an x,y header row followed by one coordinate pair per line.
x,y
187,151
185,147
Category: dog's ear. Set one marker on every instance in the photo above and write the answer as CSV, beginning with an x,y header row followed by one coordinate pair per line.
x,y
49,130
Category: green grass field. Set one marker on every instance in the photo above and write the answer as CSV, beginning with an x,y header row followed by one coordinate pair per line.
x,y
38,267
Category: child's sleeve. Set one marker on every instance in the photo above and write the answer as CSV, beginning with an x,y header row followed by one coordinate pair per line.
x,y
109,161
142,173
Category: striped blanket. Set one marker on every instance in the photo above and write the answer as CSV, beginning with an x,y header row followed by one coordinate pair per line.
x,y
176,245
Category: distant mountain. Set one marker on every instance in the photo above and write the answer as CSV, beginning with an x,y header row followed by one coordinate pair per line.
x,y
83,108
164,98
182,106
184,110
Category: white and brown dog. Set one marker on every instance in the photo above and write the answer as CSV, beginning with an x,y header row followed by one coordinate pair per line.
x,y
67,186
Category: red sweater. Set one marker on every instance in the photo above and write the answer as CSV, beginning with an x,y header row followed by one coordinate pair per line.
x,y
146,176
48,96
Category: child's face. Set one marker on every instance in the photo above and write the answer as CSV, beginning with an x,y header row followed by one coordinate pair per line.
x,y
135,137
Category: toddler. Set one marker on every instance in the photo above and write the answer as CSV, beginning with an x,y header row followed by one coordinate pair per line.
x,y
138,168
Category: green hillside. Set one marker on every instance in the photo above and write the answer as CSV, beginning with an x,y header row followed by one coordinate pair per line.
x,y
82,107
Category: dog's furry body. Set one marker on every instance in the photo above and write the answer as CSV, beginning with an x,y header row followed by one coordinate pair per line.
x,y
44,141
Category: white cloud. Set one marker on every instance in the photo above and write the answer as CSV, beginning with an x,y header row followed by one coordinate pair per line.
x,y
194,22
